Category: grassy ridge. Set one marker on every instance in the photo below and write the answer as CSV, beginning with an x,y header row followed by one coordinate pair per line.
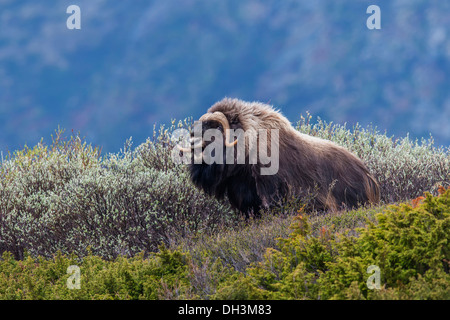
x,y
64,203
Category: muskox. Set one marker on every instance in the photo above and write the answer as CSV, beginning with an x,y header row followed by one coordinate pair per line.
x,y
306,165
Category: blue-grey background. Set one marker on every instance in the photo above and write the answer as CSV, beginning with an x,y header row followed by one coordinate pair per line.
x,y
137,63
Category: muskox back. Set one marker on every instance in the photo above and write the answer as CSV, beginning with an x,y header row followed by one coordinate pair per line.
x,y
339,178
307,165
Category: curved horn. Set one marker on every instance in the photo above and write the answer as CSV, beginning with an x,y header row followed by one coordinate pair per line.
x,y
220,117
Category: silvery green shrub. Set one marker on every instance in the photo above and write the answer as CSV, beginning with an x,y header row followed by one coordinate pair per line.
x,y
67,198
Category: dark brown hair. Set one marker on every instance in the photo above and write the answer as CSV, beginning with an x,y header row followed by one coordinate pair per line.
x,y
307,165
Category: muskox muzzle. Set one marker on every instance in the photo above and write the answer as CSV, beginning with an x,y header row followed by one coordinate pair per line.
x,y
196,142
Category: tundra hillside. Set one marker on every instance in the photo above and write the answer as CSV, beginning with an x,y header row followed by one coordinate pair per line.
x,y
138,229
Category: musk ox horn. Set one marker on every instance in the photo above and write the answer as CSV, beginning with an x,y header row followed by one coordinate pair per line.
x,y
216,116
220,117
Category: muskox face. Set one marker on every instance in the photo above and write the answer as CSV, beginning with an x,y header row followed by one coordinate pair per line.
x,y
220,178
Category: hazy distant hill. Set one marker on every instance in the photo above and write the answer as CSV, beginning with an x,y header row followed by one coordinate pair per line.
x,y
136,63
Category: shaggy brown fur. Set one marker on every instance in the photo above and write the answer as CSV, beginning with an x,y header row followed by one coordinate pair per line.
x,y
306,164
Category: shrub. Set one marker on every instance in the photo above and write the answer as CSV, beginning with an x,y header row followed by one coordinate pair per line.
x,y
67,198
411,246
156,152
160,276
104,210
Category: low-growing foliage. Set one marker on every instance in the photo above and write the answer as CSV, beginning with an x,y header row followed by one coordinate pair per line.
x,y
67,198
162,275
411,247
66,203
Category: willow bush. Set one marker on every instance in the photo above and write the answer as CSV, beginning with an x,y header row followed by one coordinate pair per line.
x,y
66,196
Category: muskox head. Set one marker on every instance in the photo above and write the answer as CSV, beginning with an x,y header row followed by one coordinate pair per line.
x,y
264,161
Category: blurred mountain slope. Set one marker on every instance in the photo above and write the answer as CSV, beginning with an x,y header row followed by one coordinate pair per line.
x,y
143,62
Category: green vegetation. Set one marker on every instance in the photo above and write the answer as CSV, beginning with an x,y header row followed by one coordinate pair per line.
x,y
410,246
138,229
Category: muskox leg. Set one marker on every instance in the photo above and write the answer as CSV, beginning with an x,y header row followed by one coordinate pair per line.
x,y
271,189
